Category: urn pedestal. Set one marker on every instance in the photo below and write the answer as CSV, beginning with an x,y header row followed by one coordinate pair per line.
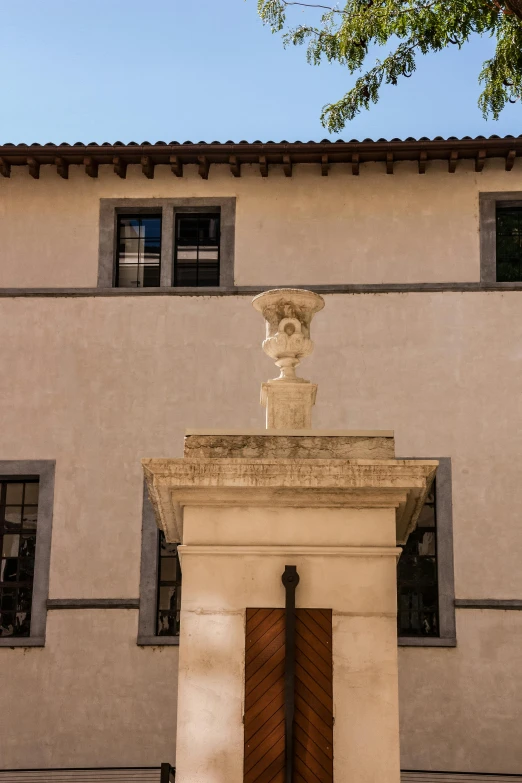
x,y
245,506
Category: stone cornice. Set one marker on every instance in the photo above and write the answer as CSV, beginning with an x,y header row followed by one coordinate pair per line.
x,y
176,483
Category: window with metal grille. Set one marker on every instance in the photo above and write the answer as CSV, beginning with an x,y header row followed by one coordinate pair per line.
x,y
138,255
169,589
196,254
417,578
18,520
509,243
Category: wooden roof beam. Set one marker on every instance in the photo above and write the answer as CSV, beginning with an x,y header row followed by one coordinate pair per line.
x,y
91,167
263,166
62,168
452,162
338,153
510,159
355,164
480,160
147,166
423,157
120,167
5,168
176,166
204,166
34,168
324,166
235,166
389,163
287,165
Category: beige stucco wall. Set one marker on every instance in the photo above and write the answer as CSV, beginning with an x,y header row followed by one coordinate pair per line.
x,y
473,721
99,383
308,229
355,585
90,698
346,560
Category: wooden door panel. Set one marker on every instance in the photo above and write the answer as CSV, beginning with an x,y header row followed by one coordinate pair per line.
x,y
264,697
313,722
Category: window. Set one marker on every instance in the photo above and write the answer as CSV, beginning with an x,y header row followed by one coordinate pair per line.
x,y
26,503
167,243
139,246
160,583
425,582
509,243
18,520
501,237
417,581
169,588
197,250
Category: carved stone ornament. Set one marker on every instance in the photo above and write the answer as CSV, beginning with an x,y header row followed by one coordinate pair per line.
x,y
288,313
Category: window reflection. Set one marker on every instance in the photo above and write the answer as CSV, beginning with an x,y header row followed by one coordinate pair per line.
x,y
417,578
509,244
196,260
18,518
139,251
169,589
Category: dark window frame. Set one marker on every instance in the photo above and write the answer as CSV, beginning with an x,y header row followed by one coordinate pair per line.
x,y
445,564
488,203
19,584
174,584
149,580
110,209
44,471
418,582
135,216
505,208
179,215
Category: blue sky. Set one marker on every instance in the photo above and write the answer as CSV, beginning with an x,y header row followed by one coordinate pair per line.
x,y
107,70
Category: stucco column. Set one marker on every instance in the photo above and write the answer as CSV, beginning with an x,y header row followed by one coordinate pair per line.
x,y
242,507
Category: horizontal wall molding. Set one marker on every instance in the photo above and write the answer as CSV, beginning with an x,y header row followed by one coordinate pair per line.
x,y
120,775
457,777
93,603
380,288
488,603
152,775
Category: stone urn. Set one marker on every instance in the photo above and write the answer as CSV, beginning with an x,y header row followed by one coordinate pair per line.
x,y
288,313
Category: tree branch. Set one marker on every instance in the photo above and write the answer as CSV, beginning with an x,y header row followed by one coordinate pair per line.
x,y
346,35
314,5
506,7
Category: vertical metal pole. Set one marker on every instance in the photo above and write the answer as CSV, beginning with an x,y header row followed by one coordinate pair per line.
x,y
290,579
165,771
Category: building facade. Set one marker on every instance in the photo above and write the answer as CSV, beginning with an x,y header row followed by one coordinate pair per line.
x,y
126,277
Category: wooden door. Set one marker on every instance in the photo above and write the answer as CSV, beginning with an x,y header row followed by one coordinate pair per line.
x,y
265,698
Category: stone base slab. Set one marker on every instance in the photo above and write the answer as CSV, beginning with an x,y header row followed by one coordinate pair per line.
x,y
264,445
